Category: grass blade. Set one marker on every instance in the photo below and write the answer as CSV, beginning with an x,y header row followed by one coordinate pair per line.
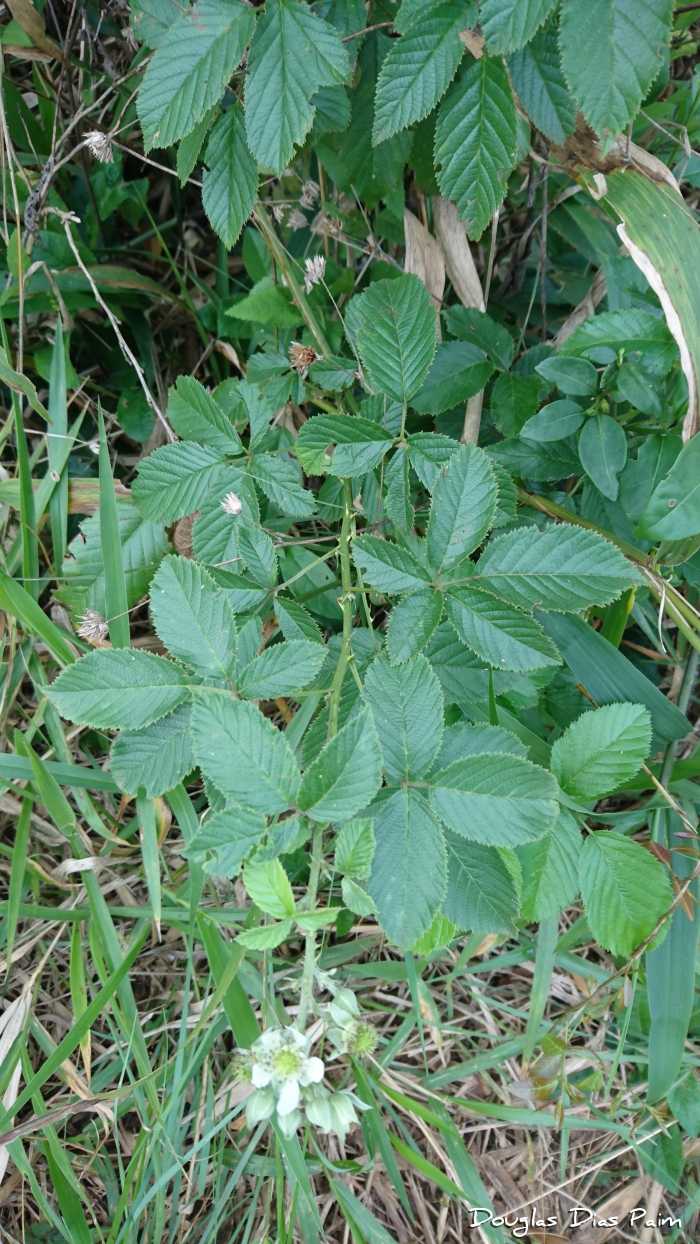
x,y
19,861
58,410
115,583
15,600
544,963
146,814
223,960
78,992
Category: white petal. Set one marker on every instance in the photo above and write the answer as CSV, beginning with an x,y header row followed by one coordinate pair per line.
x,y
288,1099
314,1070
260,1075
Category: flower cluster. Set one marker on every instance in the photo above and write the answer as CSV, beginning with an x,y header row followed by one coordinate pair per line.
x,y
287,1081
352,1034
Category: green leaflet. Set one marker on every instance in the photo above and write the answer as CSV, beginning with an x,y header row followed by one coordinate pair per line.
x,y
464,739
470,324
625,891
602,449
155,758
144,544
119,689
407,706
554,422
411,624
419,68
458,371
293,53
341,444
191,68
643,473
295,622
496,799
371,171
480,894
463,507
225,839
387,566
230,182
174,480
197,417
575,377
541,88
242,753
508,24
550,869
397,498
502,636
268,886
397,336
513,400
475,142
429,452
281,669
684,1101
346,775
150,19
409,873
278,478
630,329
628,36
602,750
193,619
354,848
673,509
562,567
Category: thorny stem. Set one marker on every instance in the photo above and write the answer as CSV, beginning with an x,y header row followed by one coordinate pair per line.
x,y
346,599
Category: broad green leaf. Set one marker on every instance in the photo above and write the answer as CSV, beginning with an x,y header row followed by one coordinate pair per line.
x,y
190,147
642,474
191,68
144,544
497,799
625,891
281,669
409,872
407,705
463,739
458,371
397,495
575,377
268,886
673,509
354,848
372,172
387,566
541,88
501,635
602,448
346,775
470,324
150,19
684,1101
215,532
530,460
225,839
294,620
278,478
480,894
230,180
268,303
513,400
258,552
293,53
463,506
156,758
243,754
562,567
174,480
333,374
411,624
119,688
476,142
193,618
550,870
195,416
398,335
343,445
608,676
629,329
429,452
555,421
242,594
627,36
310,921
638,386
356,898
332,110
268,937
601,750
419,67
508,24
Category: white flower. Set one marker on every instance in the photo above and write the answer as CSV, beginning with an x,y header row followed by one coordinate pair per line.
x,y
232,504
280,1061
93,627
315,272
100,145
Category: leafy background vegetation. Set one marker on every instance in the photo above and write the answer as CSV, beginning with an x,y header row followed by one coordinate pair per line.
x,y
350,577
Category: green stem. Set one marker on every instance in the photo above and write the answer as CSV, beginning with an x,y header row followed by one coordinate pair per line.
x,y
307,979
281,258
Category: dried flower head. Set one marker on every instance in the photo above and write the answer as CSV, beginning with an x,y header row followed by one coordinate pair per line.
x,y
301,357
297,219
93,627
329,226
310,191
315,271
232,504
94,446
278,210
100,145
